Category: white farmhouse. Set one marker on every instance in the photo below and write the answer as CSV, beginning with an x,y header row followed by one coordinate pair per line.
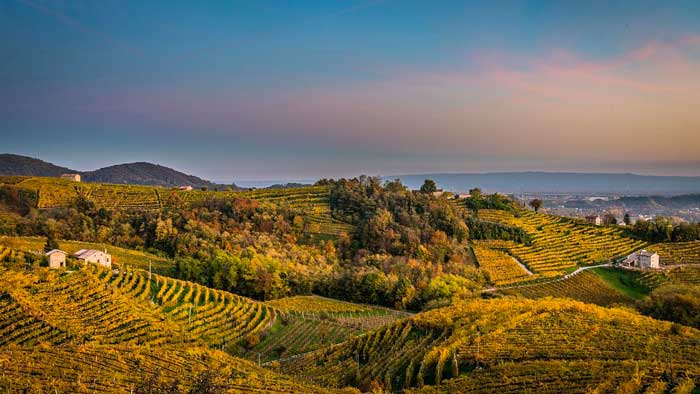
x,y
648,260
94,256
642,260
71,177
57,258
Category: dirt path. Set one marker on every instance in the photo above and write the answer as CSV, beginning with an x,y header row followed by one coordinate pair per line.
x,y
565,277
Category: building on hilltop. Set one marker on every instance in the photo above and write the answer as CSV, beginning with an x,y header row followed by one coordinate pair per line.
x,y
594,219
642,260
95,256
71,177
57,258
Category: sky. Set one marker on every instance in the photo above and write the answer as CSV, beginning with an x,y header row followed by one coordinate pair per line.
x,y
258,90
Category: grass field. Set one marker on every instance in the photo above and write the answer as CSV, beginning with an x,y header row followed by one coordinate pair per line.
x,y
625,281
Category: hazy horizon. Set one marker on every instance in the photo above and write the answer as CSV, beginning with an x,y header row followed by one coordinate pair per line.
x,y
251,90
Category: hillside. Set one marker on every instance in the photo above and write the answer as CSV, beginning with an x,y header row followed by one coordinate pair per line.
x,y
146,174
558,244
103,326
140,173
510,345
26,166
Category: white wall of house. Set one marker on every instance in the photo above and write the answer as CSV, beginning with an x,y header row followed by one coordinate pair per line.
x,y
57,260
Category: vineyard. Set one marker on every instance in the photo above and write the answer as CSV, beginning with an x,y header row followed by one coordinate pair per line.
x,y
79,307
479,342
559,244
123,369
585,286
121,257
311,202
685,275
111,321
674,253
566,377
502,268
357,317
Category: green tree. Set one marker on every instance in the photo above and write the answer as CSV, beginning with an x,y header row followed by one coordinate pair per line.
x,y
51,243
676,303
475,193
627,219
536,204
428,186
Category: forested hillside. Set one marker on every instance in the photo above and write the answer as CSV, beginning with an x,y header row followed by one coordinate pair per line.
x,y
139,173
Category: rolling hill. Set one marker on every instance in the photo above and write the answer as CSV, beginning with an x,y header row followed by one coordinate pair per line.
x,y
140,173
91,330
513,345
26,166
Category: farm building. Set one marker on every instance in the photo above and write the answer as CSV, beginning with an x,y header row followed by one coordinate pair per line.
x,y
71,177
186,188
648,260
594,219
94,256
57,258
642,260
462,195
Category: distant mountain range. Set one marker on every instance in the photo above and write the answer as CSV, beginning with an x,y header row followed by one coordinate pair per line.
x,y
558,182
141,173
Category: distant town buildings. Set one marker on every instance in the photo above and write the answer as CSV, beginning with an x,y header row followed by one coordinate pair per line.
x,y
71,177
594,219
642,260
57,258
598,198
94,256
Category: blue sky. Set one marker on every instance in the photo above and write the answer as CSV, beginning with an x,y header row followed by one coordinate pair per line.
x,y
298,89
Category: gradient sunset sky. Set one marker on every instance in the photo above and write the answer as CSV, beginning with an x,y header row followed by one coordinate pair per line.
x,y
241,90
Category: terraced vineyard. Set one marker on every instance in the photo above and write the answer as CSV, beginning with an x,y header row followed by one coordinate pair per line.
x,y
481,341
685,275
503,270
213,316
559,244
585,286
565,377
91,330
673,253
312,202
123,369
357,317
